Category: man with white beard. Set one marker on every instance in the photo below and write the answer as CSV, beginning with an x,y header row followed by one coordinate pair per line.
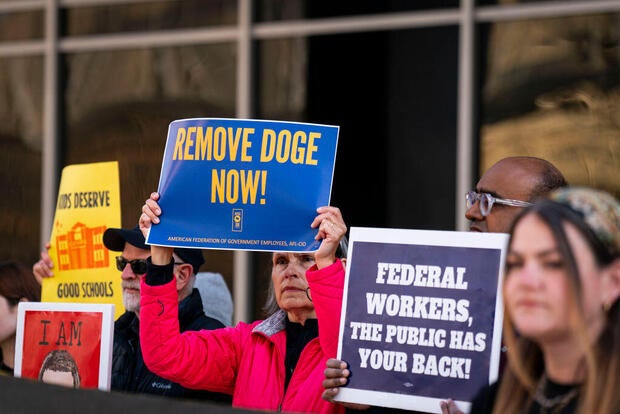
x,y
129,373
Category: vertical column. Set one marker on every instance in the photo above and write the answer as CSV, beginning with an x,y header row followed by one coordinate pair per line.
x,y
466,110
49,170
242,263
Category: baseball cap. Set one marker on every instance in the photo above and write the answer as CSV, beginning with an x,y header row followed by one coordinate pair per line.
x,y
114,239
191,256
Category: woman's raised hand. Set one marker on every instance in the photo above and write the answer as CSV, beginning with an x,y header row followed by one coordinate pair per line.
x,y
150,214
160,255
331,229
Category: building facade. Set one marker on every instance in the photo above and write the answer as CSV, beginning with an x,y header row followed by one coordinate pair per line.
x,y
427,94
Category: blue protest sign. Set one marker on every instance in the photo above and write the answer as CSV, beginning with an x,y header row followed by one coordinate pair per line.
x,y
244,184
422,316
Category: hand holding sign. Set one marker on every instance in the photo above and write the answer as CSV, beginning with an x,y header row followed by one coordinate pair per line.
x,y
337,375
44,267
331,229
160,255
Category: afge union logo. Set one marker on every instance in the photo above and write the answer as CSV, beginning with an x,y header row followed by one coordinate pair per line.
x,y
237,219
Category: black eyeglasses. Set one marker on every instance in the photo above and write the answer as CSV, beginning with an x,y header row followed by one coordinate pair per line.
x,y
138,266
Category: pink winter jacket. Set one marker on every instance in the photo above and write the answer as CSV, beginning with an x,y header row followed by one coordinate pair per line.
x,y
246,361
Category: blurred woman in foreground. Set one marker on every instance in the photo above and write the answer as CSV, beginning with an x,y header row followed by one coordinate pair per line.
x,y
561,325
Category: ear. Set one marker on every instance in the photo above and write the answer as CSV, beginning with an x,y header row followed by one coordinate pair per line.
x,y
611,283
182,275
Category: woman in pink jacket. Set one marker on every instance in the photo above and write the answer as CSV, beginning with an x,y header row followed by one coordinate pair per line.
x,y
273,364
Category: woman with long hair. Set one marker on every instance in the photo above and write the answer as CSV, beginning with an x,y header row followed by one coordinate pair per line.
x,y
561,325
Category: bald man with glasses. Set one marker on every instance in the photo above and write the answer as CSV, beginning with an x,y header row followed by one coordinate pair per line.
x,y
503,190
510,183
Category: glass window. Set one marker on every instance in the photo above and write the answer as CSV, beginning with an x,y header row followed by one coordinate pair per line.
x,y
119,104
512,2
422,127
393,94
275,10
19,26
149,16
21,100
282,78
552,89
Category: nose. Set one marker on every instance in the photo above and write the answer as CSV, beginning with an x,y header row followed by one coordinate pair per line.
x,y
296,267
473,212
292,270
127,273
529,275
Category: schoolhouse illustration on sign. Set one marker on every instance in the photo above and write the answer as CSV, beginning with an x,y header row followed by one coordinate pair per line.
x,y
81,248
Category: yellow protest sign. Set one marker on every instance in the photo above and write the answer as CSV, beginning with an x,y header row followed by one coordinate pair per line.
x,y
84,269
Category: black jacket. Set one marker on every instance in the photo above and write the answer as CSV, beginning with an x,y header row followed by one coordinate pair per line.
x,y
130,374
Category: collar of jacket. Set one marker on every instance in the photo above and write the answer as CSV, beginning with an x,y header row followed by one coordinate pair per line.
x,y
273,324
190,308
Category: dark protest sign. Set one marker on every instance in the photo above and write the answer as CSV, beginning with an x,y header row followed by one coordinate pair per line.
x,y
422,316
